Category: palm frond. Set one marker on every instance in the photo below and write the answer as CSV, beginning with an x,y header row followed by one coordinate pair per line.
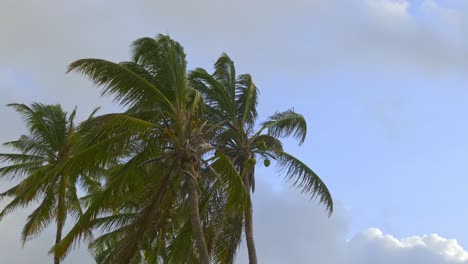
x,y
215,94
20,158
28,144
225,73
164,58
40,218
128,82
305,179
287,123
247,99
230,181
46,123
18,171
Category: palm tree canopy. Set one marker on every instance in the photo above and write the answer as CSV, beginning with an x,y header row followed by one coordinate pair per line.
x,y
162,139
36,167
231,100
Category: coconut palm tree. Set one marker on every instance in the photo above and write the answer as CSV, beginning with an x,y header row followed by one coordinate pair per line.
x,y
37,165
162,135
232,99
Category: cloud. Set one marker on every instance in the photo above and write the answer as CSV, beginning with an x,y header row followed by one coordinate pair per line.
x,y
373,246
291,229
305,35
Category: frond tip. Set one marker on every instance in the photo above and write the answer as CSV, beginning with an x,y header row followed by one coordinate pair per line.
x,y
305,179
287,123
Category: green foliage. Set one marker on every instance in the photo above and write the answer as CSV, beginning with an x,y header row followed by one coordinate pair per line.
x,y
232,100
38,169
169,179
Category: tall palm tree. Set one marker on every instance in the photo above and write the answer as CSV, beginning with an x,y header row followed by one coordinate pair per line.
x,y
232,99
162,132
37,165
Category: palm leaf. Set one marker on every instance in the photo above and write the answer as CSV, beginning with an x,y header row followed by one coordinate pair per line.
x,y
304,178
247,100
287,123
128,82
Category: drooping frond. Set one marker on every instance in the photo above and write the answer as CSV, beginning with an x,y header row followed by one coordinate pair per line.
x,y
266,144
40,217
287,123
230,181
304,178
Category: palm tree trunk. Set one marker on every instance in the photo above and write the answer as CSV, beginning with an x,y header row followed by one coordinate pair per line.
x,y
195,220
61,217
58,237
249,237
248,225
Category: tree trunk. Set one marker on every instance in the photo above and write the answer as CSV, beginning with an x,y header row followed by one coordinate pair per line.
x,y
248,225
196,222
58,237
249,236
61,217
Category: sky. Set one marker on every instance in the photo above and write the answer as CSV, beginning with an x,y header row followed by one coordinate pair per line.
x,y
382,84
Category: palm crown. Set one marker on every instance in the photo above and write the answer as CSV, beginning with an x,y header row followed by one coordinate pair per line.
x,y
233,100
38,166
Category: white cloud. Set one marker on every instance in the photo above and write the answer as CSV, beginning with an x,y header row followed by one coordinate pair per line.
x,y
292,229
373,246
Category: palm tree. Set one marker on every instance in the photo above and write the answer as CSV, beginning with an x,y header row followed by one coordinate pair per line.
x,y
233,99
38,167
161,136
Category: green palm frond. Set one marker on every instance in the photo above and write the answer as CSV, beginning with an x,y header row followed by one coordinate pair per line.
x,y
111,124
128,82
225,73
304,178
216,96
41,166
165,59
40,218
91,115
265,144
230,181
20,158
287,123
247,100
28,144
19,171
46,123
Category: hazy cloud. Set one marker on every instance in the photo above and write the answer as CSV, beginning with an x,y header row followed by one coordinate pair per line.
x,y
372,246
291,229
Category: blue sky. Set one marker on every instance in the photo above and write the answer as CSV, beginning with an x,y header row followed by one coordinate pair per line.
x,y
382,84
